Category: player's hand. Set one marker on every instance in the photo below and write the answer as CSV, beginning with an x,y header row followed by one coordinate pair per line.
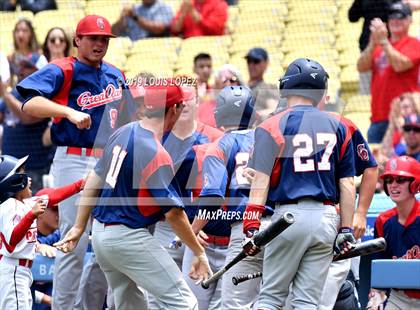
x,y
248,244
80,119
127,10
69,242
176,243
249,174
39,207
376,300
344,241
200,269
46,250
359,225
202,238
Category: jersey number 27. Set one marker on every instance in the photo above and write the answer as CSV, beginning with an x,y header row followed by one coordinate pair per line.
x,y
305,147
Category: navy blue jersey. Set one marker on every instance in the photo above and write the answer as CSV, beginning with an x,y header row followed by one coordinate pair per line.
x,y
363,157
402,241
223,165
137,173
183,156
95,91
305,152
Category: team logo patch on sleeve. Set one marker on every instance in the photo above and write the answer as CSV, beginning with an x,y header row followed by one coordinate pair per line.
x,y
362,152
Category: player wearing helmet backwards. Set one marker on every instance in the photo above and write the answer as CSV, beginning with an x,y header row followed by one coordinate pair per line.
x,y
17,233
304,164
400,226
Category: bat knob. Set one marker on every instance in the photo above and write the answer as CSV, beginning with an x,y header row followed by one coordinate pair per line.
x,y
289,217
235,281
205,285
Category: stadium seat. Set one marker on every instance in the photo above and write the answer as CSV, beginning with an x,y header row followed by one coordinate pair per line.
x,y
349,78
396,273
166,45
359,103
361,119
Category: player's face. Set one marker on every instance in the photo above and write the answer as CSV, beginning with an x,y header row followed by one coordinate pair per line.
x,y
399,27
203,69
26,192
398,188
49,219
22,35
256,68
92,49
172,116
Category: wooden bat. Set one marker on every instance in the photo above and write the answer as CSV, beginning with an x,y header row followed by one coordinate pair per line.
x,y
260,239
360,249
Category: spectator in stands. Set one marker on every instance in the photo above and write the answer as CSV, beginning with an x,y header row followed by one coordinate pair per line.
x,y
203,69
4,79
266,95
394,63
200,18
25,47
22,132
401,107
56,45
411,133
34,6
150,19
225,76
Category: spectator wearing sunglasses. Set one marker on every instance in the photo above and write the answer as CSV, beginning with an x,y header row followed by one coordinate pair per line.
x,y
56,45
411,134
266,95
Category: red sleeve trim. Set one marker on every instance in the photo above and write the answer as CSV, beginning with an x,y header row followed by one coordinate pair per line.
x,y
415,212
62,97
56,195
20,231
215,150
161,158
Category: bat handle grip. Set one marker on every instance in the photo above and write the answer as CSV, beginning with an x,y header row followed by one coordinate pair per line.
x,y
239,279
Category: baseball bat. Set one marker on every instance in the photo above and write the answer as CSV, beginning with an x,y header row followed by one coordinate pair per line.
x,y
239,279
361,249
260,239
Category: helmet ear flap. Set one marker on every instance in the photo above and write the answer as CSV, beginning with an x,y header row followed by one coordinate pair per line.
x,y
386,188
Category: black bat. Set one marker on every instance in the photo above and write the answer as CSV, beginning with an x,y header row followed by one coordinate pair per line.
x,y
363,248
239,279
260,239
360,249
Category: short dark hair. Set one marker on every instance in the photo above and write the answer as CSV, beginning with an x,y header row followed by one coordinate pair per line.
x,y
201,56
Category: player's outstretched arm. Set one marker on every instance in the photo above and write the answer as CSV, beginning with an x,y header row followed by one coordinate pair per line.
x,y
42,107
86,205
200,269
367,190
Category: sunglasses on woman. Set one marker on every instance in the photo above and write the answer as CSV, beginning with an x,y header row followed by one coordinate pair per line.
x,y
400,180
55,39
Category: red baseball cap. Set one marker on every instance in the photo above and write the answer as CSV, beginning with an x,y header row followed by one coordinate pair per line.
x,y
163,96
47,192
94,25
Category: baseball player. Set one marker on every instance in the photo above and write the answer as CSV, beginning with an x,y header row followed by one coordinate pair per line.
x,y
366,167
18,213
179,143
133,182
83,96
224,184
304,163
400,226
